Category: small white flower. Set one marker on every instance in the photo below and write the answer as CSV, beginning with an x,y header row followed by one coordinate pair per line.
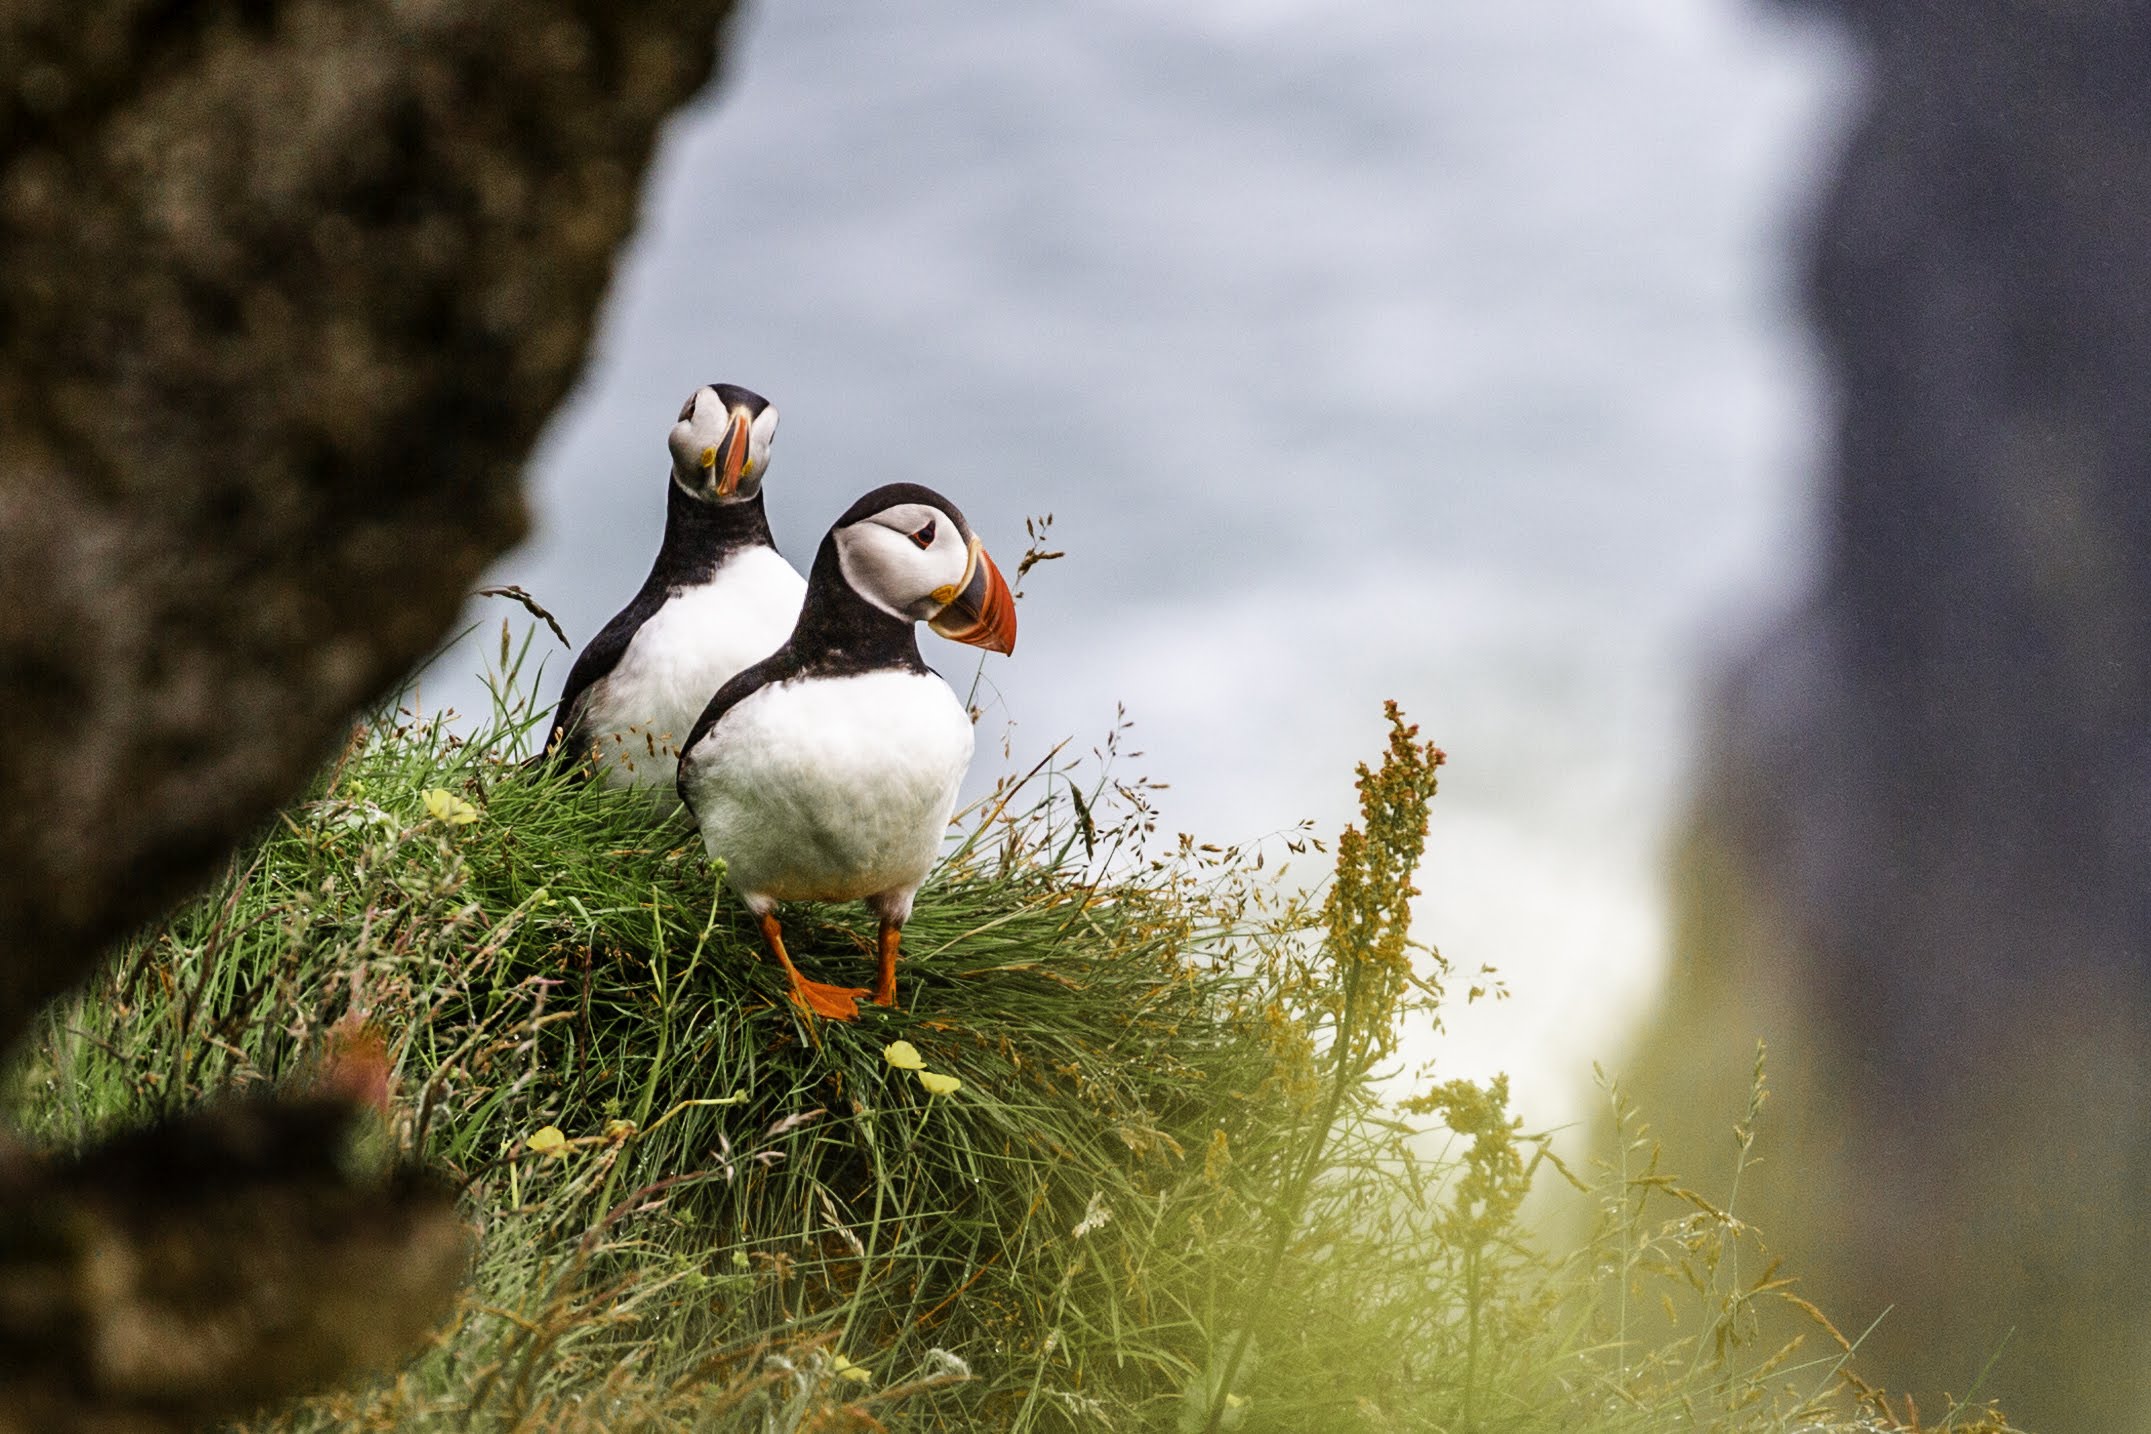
x,y
1095,1215
356,816
941,1364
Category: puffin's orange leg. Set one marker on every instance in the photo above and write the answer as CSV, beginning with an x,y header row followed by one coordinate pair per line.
x,y
838,1003
892,939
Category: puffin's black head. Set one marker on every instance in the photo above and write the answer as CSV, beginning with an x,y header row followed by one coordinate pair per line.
x,y
720,446
908,551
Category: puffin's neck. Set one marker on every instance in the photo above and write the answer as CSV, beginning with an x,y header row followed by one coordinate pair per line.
x,y
699,536
840,631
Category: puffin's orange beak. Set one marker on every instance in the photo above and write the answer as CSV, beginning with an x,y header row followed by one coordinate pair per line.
x,y
982,613
732,457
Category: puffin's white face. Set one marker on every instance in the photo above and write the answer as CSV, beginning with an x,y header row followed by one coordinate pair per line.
x,y
916,562
909,560
719,449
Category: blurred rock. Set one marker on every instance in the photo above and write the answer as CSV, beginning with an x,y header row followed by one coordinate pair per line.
x,y
287,290
210,1264
1921,863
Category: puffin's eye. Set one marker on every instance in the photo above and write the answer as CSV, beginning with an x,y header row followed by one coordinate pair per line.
x,y
924,537
687,409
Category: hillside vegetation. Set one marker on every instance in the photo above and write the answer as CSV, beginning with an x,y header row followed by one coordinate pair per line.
x,y
1157,1194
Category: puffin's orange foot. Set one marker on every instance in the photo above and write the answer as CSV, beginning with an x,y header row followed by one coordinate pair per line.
x,y
885,992
838,1003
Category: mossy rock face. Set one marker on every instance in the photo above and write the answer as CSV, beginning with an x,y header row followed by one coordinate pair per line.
x,y
288,291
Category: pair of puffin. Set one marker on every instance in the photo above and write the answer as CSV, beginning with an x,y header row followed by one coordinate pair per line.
x,y
794,719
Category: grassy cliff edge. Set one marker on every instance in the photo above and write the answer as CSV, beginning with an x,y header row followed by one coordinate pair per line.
x,y
1162,1194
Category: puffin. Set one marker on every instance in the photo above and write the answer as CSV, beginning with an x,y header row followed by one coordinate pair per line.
x,y
719,597
828,770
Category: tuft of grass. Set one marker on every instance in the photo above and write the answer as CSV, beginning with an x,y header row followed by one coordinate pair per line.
x,y
1163,1194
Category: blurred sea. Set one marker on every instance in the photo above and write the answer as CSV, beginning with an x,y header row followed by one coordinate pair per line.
x,y
1430,350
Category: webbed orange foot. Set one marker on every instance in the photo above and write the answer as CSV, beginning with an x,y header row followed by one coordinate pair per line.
x,y
837,1003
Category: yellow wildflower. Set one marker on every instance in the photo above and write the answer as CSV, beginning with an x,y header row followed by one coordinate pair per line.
x,y
904,1056
547,1141
939,1084
845,1369
449,808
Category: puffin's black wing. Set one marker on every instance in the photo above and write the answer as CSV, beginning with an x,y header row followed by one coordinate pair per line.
x,y
595,662
779,666
839,634
699,537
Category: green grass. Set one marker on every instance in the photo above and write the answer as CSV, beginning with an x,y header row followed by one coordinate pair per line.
x,y
1165,1138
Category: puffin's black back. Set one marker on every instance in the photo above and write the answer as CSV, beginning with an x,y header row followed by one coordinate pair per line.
x,y
699,538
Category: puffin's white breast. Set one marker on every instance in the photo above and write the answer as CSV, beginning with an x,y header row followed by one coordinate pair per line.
x,y
637,715
832,788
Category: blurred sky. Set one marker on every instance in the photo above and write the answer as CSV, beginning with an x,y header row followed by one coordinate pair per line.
x,y
1415,348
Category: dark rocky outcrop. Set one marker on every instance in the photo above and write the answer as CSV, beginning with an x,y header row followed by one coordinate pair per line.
x,y
287,289
1921,866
